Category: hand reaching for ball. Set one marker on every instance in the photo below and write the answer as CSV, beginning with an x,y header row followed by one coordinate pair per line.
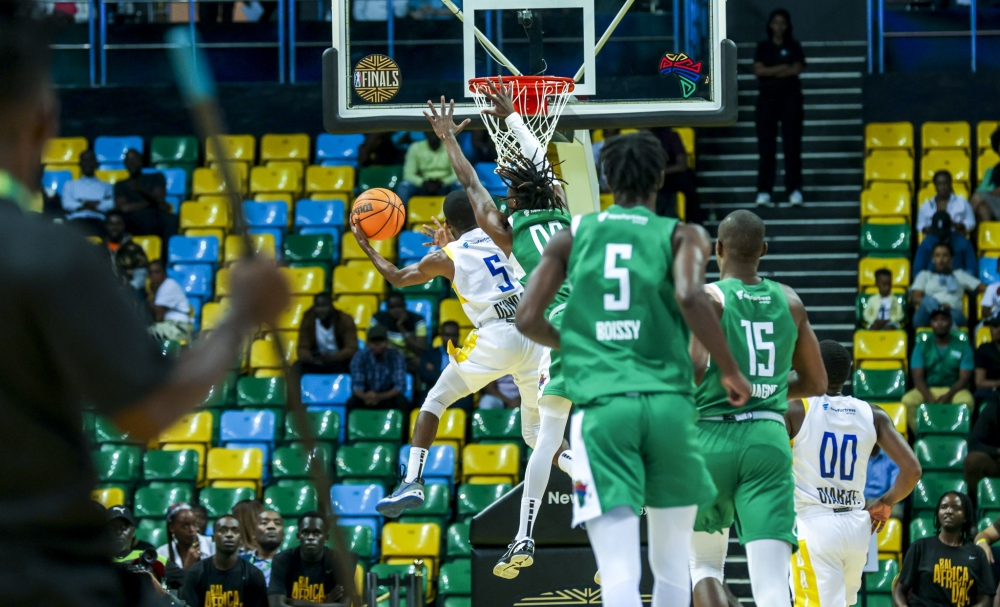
x,y
439,234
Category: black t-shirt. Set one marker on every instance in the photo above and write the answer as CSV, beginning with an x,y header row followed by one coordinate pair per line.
x,y
146,181
941,575
296,579
988,358
69,337
771,54
205,585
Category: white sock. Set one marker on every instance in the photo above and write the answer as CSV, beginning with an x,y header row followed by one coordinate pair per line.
x,y
769,562
415,469
565,462
670,532
529,510
614,536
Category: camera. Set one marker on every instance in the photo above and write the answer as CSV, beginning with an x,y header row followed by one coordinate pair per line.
x,y
145,563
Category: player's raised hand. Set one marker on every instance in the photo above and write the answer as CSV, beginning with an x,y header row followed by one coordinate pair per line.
x,y
738,388
358,232
503,105
879,512
439,234
443,122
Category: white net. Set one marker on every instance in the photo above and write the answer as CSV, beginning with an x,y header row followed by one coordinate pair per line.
x,y
540,102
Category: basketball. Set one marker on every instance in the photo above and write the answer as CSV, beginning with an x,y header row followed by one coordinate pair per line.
x,y
380,213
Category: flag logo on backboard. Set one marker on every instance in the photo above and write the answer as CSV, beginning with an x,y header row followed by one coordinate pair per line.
x,y
376,78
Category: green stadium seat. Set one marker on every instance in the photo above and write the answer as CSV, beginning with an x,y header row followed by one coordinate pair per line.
x,y
455,579
879,384
922,526
220,396
325,426
988,493
987,519
169,347
291,536
473,499
435,509
496,424
861,302
943,419
291,501
105,431
879,600
367,460
152,502
120,464
380,177
314,249
261,392
941,452
152,530
293,461
384,570
458,544
380,426
174,149
89,422
172,466
932,486
359,540
219,501
886,239
881,581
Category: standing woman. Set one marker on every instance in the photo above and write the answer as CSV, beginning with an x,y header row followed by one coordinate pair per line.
x,y
777,64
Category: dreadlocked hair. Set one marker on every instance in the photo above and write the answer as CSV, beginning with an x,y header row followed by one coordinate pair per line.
x,y
532,185
632,164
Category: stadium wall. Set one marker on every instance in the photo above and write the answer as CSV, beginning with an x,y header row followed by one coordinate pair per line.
x,y
811,20
919,98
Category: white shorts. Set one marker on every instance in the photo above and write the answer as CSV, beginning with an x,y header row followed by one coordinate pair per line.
x,y
833,548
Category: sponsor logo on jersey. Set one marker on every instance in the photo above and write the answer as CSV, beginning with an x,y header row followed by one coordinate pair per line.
x,y
847,410
761,299
543,379
840,497
763,390
617,330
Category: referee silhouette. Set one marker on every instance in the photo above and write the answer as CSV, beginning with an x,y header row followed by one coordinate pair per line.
x,y
69,338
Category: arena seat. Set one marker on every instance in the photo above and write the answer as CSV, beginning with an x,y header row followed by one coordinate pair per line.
x,y
888,135
989,236
334,150
889,165
174,149
199,214
887,199
305,281
266,214
213,313
172,466
248,426
118,464
350,249
291,536
152,531
880,345
64,150
984,130
358,280
881,581
175,182
411,246
989,268
195,279
207,182
879,380
108,497
359,540
412,541
439,464
324,426
451,427
326,389
291,317
940,452
956,162
945,135
72,169
884,236
932,485
105,431
263,355
473,499
235,147
152,502
988,494
330,179
890,539
245,465
374,461
274,146
275,179
112,176
313,249
986,519
436,507
451,310
896,412
52,181
294,460
319,213
292,499
377,426
380,177
943,419
422,210
422,307
457,544
922,524
359,307
194,250
220,501
111,150
455,581
983,336
499,462
358,502
263,245
191,428
496,424
900,268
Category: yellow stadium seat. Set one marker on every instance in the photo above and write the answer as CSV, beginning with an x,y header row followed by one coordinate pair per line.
x,y
274,197
263,355
342,196
888,135
412,541
236,147
152,246
360,280
900,268
271,179
890,539
451,427
113,176
291,317
422,209
110,496
881,201
74,169
207,182
983,336
927,192
191,428
350,249
451,309
359,307
956,162
607,200
329,179
212,314
289,343
263,245
285,147
305,281
896,412
202,214
687,138
889,165
235,465
292,165
64,150
987,159
880,345
241,171
501,459
985,130
222,283
945,135
989,236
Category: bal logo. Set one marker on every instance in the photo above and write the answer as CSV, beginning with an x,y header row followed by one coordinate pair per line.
x,y
687,71
376,78
580,489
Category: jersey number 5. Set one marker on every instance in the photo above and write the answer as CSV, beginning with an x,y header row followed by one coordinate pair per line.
x,y
756,342
501,271
612,272
850,441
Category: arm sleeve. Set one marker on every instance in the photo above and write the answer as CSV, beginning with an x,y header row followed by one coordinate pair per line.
x,y
410,166
357,374
530,146
986,184
989,297
279,571
924,215
968,363
917,359
189,590
108,200
870,313
909,573
920,282
69,200
398,372
969,282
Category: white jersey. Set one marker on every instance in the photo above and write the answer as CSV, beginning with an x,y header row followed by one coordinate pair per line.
x,y
830,454
485,280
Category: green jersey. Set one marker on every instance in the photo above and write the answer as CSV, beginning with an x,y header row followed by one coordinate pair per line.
x,y
622,330
761,334
531,232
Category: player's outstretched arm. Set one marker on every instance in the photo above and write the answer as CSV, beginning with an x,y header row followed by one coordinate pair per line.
x,y
489,218
807,361
896,447
544,283
692,249
435,264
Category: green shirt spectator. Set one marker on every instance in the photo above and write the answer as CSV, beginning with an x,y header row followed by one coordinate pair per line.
x,y
427,170
941,367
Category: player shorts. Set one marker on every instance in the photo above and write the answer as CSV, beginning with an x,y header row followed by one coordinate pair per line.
x,y
636,450
751,465
550,376
833,548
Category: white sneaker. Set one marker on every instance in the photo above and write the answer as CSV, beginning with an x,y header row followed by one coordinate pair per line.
x,y
795,198
763,199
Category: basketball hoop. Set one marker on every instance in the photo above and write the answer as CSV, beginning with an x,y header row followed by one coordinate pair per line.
x,y
539,100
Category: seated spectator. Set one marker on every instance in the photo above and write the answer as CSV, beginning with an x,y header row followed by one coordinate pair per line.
x,y
142,198
987,373
328,339
434,360
225,578
940,367
269,533
309,574
500,394
378,375
87,199
940,232
201,520
185,546
883,312
944,569
127,546
128,260
962,217
427,170
170,306
882,473
378,149
986,199
677,177
990,305
942,288
407,330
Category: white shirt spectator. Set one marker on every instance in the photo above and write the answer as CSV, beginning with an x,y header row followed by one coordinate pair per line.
x,y
171,296
946,288
959,210
75,192
205,545
991,298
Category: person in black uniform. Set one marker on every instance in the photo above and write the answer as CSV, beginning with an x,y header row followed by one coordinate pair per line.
x,y
777,64
69,338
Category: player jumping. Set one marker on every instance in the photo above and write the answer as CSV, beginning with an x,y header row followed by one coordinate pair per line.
x,y
746,449
638,284
832,438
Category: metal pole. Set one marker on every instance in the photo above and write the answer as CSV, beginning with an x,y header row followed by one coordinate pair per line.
x,y
972,23
881,36
391,22
677,26
281,41
93,43
104,38
291,40
869,23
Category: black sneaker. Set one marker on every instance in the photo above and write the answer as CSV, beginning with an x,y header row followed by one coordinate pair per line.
x,y
520,554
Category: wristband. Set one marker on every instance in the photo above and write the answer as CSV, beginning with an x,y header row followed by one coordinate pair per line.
x,y
983,541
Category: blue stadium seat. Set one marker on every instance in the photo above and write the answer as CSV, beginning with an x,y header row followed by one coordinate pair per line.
x,y
408,390
440,463
332,150
111,150
176,181
194,249
266,215
358,501
988,272
243,429
52,181
194,278
276,233
195,303
411,245
319,213
326,389
490,180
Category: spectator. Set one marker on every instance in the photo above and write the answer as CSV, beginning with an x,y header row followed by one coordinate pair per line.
x,y
225,578
127,546
500,394
983,459
200,519
434,360
882,473
142,197
171,310
677,177
308,575
883,311
87,199
128,260
777,64
328,339
987,373
269,533
185,546
990,305
943,569
942,288
940,232
940,367
407,330
427,170
378,149
986,199
378,374
958,208
247,513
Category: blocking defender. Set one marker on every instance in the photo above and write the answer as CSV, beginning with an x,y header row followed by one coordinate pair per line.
x,y
832,438
638,284
746,449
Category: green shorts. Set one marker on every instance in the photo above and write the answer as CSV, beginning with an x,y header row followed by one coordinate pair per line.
x,y
637,450
751,464
550,376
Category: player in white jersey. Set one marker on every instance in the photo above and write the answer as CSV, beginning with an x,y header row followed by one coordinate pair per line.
x,y
833,437
486,285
